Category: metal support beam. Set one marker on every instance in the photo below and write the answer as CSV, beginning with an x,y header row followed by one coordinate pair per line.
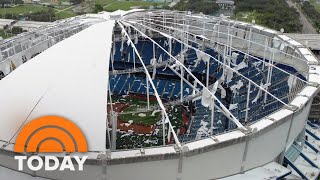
x,y
114,130
226,66
148,94
248,101
152,84
230,115
212,118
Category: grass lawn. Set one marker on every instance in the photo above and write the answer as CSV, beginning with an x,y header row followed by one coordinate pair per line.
x,y
26,9
105,2
126,5
4,35
22,9
65,14
134,104
61,7
109,5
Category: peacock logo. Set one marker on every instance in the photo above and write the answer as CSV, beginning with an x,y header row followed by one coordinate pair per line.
x,y
50,134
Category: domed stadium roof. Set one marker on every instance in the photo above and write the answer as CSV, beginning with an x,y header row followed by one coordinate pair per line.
x,y
185,82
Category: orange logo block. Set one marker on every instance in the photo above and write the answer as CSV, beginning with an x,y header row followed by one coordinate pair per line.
x,y
51,134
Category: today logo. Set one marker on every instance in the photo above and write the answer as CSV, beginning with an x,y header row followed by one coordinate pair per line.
x,y
50,134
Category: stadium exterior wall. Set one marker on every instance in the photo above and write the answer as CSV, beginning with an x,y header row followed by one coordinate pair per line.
x,y
213,160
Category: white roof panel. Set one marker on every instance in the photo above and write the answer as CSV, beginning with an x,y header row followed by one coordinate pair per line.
x,y
69,80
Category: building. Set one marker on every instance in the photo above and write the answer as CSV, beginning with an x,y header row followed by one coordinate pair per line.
x,y
225,4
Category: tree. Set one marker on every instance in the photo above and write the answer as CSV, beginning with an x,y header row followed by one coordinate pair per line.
x,y
44,16
275,14
16,30
98,8
18,1
76,1
198,6
10,16
4,2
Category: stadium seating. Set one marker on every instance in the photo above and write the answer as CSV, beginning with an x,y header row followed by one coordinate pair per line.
x,y
170,88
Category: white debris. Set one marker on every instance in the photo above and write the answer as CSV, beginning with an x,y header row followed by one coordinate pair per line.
x,y
240,66
181,58
166,43
236,87
203,130
223,91
229,75
221,79
156,131
129,57
130,131
233,106
263,86
125,135
206,98
215,87
187,90
160,58
136,39
154,112
234,57
276,42
142,115
153,62
202,56
257,64
129,123
292,81
121,48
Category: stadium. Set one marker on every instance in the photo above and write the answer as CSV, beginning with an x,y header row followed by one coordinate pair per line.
x,y
160,94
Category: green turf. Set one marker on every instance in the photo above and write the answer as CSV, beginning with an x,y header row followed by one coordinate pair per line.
x,y
133,140
175,116
134,104
129,140
137,141
130,100
136,119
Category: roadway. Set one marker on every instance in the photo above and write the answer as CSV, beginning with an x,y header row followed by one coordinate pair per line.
x,y
307,26
26,25
309,34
